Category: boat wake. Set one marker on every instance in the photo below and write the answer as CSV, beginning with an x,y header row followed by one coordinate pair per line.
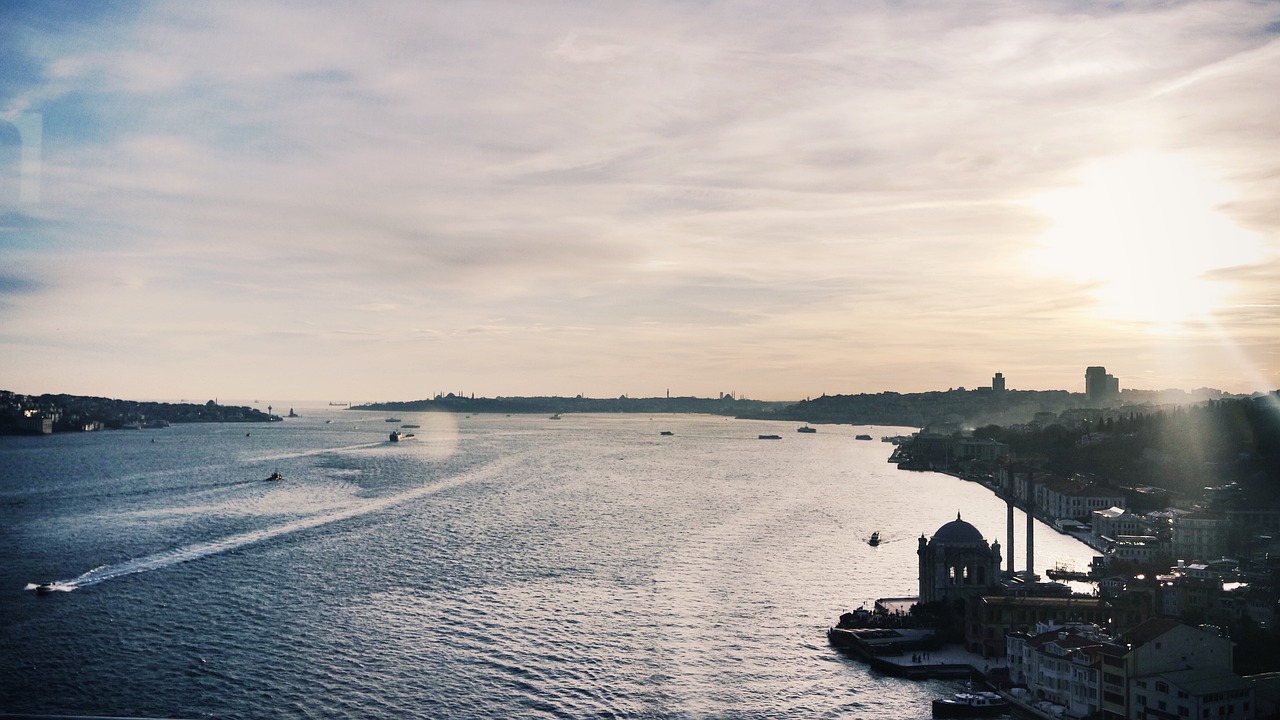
x,y
200,550
308,453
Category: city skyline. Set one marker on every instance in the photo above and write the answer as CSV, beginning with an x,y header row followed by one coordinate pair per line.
x,y
527,199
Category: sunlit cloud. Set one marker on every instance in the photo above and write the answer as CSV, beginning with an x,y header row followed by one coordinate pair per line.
x,y
793,200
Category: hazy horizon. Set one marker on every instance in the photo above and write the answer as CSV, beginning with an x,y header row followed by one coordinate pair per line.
x,y
557,198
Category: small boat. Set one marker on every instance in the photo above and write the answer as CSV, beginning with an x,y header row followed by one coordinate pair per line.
x,y
392,420
44,588
875,539
770,437
970,704
666,432
554,417
274,476
397,436
806,429
410,425
863,437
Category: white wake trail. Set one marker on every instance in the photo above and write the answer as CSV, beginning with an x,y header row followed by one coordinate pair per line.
x,y
200,550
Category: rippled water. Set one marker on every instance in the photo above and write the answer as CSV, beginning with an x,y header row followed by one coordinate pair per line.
x,y
494,566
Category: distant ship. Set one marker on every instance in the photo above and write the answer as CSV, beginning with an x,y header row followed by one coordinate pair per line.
x,y
666,432
806,429
392,420
770,437
864,437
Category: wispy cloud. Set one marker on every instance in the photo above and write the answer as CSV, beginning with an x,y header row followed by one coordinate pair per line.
x,y
792,199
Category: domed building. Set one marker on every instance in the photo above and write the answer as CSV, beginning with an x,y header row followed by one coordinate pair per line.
x,y
957,562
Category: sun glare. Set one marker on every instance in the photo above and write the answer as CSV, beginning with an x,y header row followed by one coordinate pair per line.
x,y
1143,231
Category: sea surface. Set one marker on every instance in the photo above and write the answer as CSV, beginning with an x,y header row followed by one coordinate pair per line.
x,y
493,566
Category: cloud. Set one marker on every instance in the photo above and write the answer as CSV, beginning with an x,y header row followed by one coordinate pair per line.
x,y
724,182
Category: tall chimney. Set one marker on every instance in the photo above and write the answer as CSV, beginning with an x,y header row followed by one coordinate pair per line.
x,y
1008,506
1031,524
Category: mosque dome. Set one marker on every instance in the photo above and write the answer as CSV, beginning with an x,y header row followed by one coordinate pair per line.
x,y
957,531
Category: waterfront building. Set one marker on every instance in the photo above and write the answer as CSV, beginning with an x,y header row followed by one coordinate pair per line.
x,y
1074,498
957,563
984,449
990,618
1060,664
1194,693
1139,549
1200,536
1157,646
1115,521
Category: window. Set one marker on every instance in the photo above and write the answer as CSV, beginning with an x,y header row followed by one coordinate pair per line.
x,y
1183,711
1162,687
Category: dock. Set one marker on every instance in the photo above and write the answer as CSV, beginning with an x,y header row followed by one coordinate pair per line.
x,y
914,654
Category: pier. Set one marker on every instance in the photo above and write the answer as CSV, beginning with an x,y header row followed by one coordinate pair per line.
x,y
912,653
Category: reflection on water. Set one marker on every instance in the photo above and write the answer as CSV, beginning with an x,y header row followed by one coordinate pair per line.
x,y
495,565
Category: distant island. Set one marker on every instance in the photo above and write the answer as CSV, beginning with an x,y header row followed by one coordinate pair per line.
x,y
44,414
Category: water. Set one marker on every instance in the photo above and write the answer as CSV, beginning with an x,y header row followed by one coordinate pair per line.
x,y
494,566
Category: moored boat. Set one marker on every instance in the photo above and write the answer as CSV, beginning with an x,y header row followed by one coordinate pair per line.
x,y
970,704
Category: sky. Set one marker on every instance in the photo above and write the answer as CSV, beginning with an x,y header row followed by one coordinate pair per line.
x,y
386,201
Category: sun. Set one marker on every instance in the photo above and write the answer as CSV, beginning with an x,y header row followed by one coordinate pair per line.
x,y
1143,232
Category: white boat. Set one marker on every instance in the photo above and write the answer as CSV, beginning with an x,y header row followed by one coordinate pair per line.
x,y
970,704
397,436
